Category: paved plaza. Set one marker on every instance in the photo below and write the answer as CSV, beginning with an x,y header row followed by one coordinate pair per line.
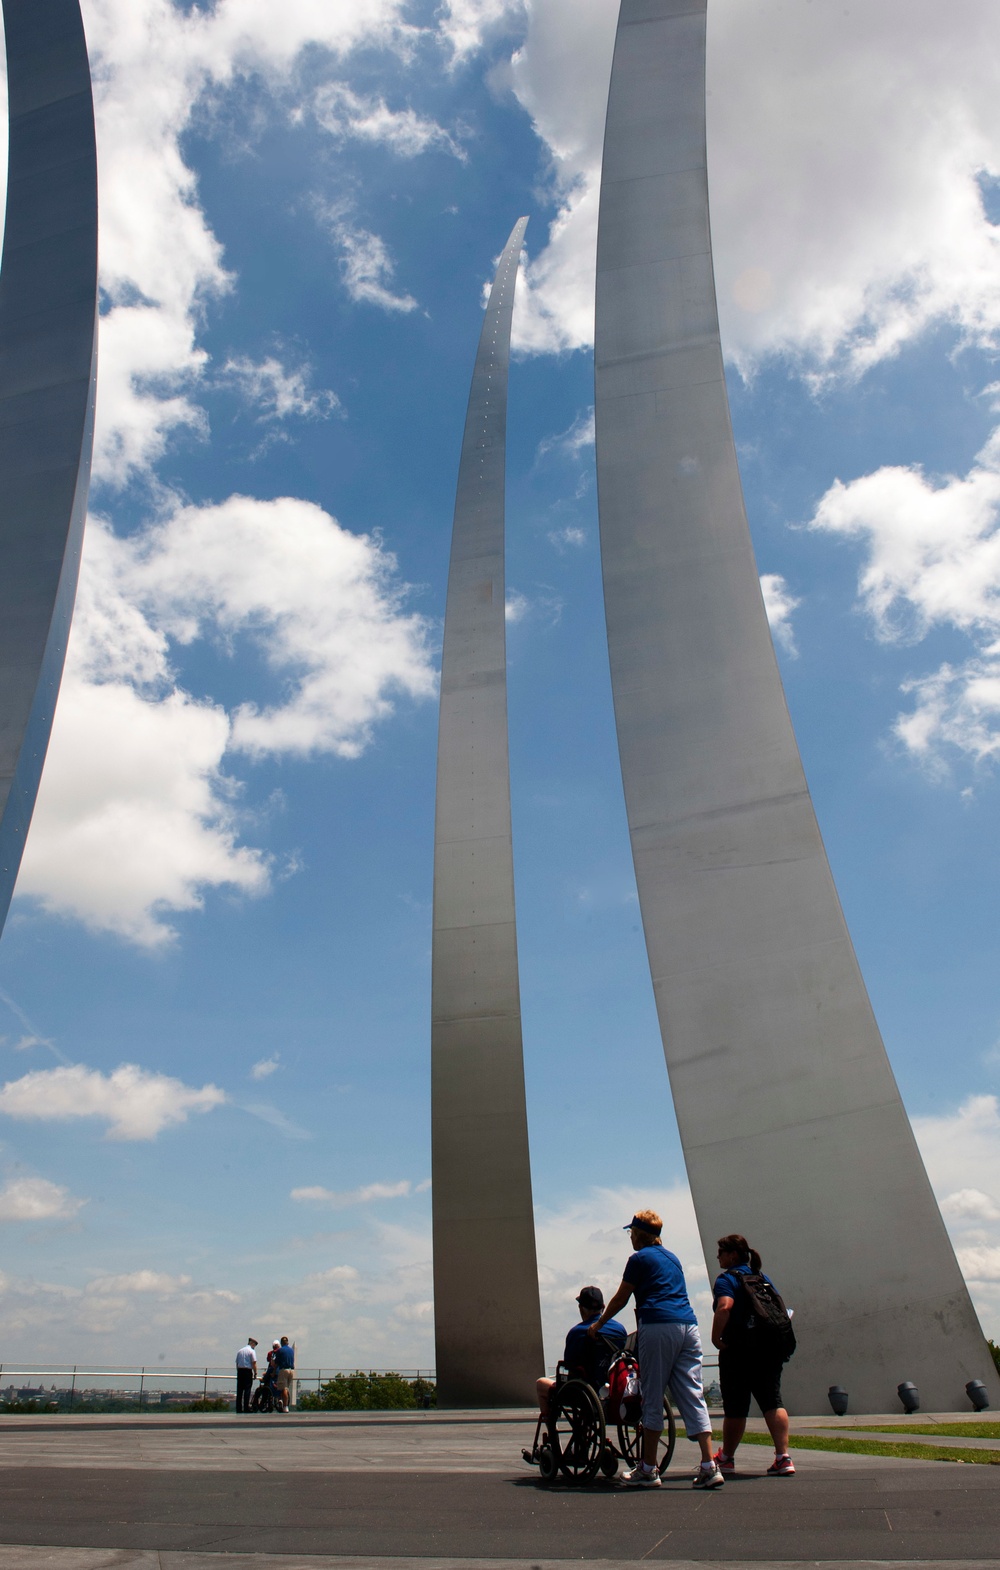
x,y
425,1491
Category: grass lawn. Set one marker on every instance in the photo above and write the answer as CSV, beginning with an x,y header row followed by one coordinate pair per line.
x,y
969,1430
883,1447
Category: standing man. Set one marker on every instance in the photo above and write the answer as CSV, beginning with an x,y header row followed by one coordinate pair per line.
x,y
246,1373
284,1362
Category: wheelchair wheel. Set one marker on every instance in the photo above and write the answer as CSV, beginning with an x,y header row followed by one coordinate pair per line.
x,y
548,1466
577,1431
609,1462
630,1434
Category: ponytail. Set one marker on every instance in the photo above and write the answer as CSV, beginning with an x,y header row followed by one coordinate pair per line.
x,y
736,1244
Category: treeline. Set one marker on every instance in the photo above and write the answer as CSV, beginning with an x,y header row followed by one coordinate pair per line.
x,y
361,1392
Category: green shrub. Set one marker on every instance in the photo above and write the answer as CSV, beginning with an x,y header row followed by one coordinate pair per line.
x,y
206,1404
361,1392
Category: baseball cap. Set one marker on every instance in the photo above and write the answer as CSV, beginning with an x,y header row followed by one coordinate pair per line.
x,y
591,1297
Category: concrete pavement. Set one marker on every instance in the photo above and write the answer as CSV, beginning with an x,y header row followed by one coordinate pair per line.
x,y
440,1491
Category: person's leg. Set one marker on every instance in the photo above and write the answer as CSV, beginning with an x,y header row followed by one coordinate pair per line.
x,y
767,1394
542,1388
734,1379
777,1422
654,1362
687,1389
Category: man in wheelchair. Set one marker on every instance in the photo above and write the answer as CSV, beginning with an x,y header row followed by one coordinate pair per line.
x,y
584,1357
587,1402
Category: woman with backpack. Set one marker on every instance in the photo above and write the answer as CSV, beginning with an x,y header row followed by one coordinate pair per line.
x,y
752,1331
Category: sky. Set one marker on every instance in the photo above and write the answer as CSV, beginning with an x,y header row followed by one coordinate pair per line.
x,y
215,978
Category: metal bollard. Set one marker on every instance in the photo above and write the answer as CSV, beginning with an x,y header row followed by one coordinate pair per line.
x,y
978,1395
838,1399
909,1395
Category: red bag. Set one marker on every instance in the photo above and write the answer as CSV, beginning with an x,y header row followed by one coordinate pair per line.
x,y
623,1387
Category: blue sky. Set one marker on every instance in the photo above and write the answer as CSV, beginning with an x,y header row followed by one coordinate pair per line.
x,y
214,983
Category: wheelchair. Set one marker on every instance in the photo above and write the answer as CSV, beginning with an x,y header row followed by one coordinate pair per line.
x,y
574,1439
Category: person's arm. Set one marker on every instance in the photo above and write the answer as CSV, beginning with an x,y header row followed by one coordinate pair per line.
x,y
617,1303
723,1309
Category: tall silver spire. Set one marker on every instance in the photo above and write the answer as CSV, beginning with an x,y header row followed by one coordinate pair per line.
x,y
48,348
487,1319
792,1125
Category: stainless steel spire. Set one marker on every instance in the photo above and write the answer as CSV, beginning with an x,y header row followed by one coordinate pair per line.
x,y
792,1125
487,1320
48,345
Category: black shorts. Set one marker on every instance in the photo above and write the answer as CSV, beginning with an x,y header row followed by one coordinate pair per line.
x,y
743,1377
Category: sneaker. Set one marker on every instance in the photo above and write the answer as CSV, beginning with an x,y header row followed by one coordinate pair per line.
x,y
782,1466
639,1477
708,1477
726,1464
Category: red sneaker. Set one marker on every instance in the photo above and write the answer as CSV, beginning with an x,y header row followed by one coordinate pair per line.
x,y
726,1464
782,1466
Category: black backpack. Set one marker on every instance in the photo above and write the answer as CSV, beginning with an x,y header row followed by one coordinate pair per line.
x,y
769,1323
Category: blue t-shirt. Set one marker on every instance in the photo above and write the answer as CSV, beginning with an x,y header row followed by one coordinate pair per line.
x,y
740,1315
657,1280
284,1357
588,1358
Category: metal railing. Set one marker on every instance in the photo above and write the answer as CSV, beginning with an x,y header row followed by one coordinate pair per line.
x,y
151,1385
158,1385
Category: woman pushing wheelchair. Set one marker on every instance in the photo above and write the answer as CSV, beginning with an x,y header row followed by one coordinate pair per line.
x,y
670,1354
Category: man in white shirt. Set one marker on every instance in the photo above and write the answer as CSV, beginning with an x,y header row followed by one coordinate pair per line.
x,y
246,1373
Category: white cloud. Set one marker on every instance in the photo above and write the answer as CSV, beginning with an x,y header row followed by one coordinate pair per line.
x,y
570,538
136,817
970,1204
153,63
366,266
36,1199
135,1102
346,114
265,1067
779,603
516,606
961,1150
931,558
465,24
322,604
143,1281
279,392
835,244
570,443
980,1264
355,1196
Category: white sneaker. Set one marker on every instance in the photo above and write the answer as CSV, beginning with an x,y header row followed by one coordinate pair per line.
x,y
708,1477
639,1477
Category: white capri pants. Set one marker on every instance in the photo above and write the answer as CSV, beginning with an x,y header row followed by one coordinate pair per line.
x,y
670,1355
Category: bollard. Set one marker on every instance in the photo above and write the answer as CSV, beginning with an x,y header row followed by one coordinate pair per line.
x,y
838,1400
909,1395
978,1395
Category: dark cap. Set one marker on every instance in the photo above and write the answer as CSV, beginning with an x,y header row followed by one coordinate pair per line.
x,y
643,1226
592,1298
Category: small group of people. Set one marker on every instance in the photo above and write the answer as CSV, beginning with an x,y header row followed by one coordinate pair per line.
x,y
278,1372
670,1352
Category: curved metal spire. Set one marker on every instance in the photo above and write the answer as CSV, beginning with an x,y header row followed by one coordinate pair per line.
x,y
48,346
487,1320
792,1125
